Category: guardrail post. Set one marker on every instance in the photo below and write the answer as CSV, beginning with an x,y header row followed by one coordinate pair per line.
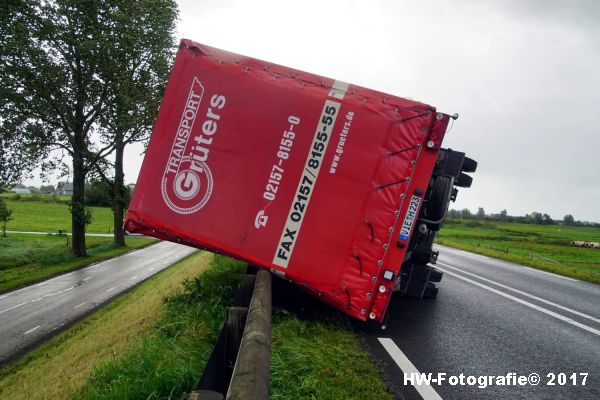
x,y
245,290
250,380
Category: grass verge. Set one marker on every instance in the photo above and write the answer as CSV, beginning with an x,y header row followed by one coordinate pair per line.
x,y
169,361
25,259
528,245
312,358
321,358
60,367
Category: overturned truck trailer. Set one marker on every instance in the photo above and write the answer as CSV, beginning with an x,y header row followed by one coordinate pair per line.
x,y
338,188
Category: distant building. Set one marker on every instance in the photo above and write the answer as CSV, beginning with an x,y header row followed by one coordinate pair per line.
x,y
131,187
22,190
64,188
48,189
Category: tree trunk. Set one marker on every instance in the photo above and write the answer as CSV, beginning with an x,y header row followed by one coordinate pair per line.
x,y
78,216
118,192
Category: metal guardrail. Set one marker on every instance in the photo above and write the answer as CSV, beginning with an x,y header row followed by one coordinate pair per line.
x,y
238,367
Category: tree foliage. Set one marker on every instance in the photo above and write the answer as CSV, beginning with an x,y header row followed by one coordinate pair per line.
x,y
5,215
481,213
533,218
133,102
61,70
100,194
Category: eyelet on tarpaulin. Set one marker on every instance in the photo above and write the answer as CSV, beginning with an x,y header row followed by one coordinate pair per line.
x,y
383,204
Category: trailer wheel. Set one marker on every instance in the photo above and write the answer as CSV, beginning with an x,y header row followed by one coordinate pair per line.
x,y
464,180
469,165
440,195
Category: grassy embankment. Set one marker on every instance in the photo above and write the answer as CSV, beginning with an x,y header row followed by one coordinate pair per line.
x,y
60,367
316,358
524,243
29,258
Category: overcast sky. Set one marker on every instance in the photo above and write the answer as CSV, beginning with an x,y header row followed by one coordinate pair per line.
x,y
523,75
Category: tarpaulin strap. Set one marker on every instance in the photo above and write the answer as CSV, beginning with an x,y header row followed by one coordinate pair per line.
x,y
393,183
348,295
370,225
360,266
393,153
429,112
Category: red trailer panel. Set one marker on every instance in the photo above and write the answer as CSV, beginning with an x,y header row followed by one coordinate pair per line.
x,y
311,178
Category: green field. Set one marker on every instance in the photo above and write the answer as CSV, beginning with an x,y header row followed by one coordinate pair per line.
x,y
546,247
25,259
43,216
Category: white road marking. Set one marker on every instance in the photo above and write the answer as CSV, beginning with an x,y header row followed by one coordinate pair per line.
x,y
134,277
551,274
86,279
152,269
38,299
13,307
79,305
31,330
57,326
426,391
59,292
525,294
112,288
525,303
1,297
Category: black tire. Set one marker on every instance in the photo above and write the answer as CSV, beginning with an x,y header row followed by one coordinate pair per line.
x,y
469,165
464,180
440,195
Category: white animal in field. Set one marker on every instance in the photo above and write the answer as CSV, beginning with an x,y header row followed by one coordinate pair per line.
x,y
581,243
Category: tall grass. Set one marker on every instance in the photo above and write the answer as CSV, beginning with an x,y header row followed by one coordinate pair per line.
x,y
321,358
169,362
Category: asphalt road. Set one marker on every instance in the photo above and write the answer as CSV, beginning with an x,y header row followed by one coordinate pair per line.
x,y
494,318
34,313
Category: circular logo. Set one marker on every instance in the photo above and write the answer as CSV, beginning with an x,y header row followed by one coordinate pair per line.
x,y
188,190
186,184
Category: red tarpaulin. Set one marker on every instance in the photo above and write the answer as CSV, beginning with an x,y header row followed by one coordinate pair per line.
x,y
311,178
